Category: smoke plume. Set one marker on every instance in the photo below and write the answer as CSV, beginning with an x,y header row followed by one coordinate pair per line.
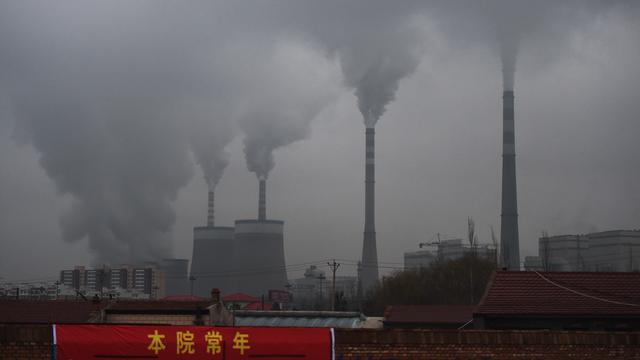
x,y
113,96
378,43
302,84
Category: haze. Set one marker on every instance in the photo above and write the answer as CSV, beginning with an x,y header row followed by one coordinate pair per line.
x,y
117,116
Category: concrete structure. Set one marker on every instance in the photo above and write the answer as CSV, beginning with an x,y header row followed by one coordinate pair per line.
x,y
616,250
259,256
176,276
446,250
212,263
417,259
533,263
509,237
369,263
563,253
259,251
212,259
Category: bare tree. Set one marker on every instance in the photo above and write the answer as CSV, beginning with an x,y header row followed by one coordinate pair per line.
x,y
494,242
545,251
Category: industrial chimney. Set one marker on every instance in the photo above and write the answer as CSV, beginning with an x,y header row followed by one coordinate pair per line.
x,y
369,271
210,218
509,239
262,200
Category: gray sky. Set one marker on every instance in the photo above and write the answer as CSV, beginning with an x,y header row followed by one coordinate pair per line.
x,y
107,109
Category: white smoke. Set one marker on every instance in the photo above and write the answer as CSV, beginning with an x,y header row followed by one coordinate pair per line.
x,y
294,84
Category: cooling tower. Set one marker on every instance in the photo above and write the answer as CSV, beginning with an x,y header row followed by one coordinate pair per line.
x,y
212,260
175,276
509,239
259,256
369,269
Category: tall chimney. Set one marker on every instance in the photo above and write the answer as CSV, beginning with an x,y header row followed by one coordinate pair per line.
x,y
262,200
369,273
210,219
509,239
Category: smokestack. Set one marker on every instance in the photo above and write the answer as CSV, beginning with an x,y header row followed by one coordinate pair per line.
x,y
509,239
210,218
262,200
369,273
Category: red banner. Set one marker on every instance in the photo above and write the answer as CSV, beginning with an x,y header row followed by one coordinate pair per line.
x,y
190,342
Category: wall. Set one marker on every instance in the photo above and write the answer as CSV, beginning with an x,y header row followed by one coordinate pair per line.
x,y
25,342
22,342
484,344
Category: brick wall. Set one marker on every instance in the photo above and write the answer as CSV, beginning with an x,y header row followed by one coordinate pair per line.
x,y
487,344
25,342
22,342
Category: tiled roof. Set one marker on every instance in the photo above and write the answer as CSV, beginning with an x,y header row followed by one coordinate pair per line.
x,y
240,297
436,314
46,312
562,293
147,306
183,298
258,306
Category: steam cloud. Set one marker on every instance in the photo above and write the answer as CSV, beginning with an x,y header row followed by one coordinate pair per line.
x,y
114,118
281,115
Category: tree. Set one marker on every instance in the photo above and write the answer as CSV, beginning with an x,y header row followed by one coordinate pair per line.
x,y
441,283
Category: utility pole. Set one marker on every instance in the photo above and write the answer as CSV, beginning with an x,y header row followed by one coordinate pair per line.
x,y
334,267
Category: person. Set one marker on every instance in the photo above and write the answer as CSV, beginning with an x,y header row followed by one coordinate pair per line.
x,y
219,315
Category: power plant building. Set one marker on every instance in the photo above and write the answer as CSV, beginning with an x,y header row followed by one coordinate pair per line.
x,y
247,258
616,250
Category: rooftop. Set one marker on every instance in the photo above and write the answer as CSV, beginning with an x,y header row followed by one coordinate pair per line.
x,y
429,314
240,297
46,311
562,293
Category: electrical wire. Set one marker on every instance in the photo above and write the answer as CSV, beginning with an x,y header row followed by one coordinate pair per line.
x,y
583,294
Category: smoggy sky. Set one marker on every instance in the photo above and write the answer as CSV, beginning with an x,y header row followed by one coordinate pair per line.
x,y
117,116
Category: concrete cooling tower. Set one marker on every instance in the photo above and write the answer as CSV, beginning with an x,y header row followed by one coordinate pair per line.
x,y
259,256
175,276
212,260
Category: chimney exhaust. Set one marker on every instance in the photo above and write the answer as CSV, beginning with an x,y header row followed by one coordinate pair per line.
x,y
262,200
369,271
509,238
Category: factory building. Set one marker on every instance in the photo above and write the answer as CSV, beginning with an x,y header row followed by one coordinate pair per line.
x,y
616,250
445,250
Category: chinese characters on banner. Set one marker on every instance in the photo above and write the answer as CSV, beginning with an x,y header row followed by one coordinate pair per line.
x,y
190,342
